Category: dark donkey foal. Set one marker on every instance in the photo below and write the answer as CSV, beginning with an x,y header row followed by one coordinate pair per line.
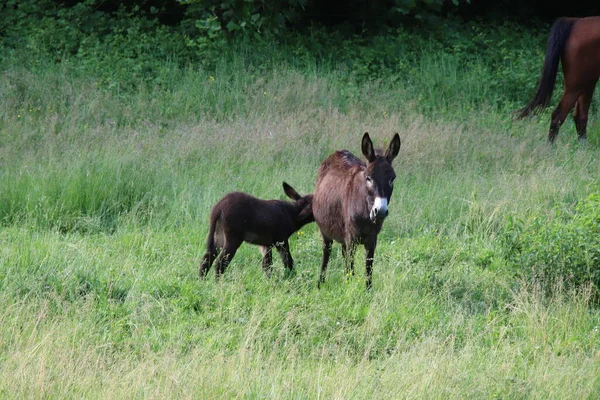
x,y
239,217
351,201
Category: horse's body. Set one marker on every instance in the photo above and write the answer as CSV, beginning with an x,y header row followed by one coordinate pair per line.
x,y
350,201
576,43
239,217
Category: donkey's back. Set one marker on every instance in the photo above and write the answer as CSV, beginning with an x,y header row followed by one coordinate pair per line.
x,y
256,221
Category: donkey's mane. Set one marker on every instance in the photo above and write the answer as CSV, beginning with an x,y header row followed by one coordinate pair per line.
x,y
350,159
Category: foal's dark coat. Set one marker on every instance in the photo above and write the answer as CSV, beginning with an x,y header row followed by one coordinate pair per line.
x,y
239,217
350,201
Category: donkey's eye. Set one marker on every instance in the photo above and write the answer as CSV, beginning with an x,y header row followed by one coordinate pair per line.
x,y
369,180
392,181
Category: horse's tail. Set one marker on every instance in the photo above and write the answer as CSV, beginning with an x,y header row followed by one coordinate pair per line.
x,y
559,33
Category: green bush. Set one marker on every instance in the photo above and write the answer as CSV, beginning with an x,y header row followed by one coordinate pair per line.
x,y
564,248
126,46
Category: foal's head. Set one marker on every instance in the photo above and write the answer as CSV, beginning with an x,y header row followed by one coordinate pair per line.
x,y
379,176
303,204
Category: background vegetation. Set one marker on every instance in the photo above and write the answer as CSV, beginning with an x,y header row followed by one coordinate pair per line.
x,y
121,127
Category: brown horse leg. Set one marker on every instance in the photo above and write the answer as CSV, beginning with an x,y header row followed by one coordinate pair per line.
x,y
580,123
560,113
580,115
327,243
283,248
267,259
231,246
370,250
348,251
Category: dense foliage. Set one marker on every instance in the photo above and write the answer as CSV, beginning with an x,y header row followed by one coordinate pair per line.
x,y
128,46
563,247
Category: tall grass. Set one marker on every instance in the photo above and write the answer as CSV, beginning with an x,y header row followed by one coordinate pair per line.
x,y
104,201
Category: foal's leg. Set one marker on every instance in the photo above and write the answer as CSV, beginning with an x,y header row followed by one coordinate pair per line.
x,y
327,243
370,250
267,259
283,248
580,115
229,249
207,261
560,113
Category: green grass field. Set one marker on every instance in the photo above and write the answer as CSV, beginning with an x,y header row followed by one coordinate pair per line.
x,y
104,203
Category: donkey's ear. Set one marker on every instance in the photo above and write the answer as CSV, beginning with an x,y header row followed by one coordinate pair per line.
x,y
290,192
393,149
367,147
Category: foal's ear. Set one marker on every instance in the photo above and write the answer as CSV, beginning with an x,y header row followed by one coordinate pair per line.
x,y
393,149
367,147
290,192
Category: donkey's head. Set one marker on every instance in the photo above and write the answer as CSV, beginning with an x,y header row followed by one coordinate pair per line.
x,y
303,205
379,176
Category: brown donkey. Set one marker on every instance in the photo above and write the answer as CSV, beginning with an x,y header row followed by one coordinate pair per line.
x,y
239,217
351,201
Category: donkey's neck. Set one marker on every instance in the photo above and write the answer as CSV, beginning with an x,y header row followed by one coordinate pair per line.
x,y
357,195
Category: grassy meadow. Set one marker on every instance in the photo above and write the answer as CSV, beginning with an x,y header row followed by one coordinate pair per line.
x,y
104,200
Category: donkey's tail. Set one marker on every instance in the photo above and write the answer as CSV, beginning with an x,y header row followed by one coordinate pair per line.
x,y
559,33
210,240
209,256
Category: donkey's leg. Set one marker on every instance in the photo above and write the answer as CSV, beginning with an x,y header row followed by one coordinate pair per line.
x,y
327,243
267,260
580,115
207,261
348,251
370,250
229,249
560,113
283,248
212,252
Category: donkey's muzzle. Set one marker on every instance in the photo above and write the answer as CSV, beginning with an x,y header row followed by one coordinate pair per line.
x,y
379,210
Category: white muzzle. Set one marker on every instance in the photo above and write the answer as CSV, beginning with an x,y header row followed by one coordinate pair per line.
x,y
379,209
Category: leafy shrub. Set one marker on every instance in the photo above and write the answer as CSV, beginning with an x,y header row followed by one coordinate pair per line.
x,y
565,248
450,66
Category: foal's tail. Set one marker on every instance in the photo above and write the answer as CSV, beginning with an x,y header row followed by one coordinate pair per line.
x,y
210,240
559,33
